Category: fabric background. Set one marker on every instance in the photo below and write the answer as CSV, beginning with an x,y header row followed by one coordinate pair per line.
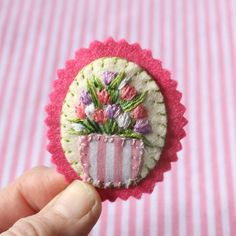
x,y
195,39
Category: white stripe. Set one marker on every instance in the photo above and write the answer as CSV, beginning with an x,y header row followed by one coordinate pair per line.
x,y
125,218
126,165
93,151
140,228
109,159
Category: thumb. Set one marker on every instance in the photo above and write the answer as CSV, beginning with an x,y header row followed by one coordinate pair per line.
x,y
73,212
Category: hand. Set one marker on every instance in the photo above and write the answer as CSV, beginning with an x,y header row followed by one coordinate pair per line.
x,y
40,203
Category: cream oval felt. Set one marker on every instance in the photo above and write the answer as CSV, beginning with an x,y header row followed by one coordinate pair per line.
x,y
154,103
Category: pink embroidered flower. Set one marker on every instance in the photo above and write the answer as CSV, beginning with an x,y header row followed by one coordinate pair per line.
x,y
139,112
128,92
103,97
80,111
100,116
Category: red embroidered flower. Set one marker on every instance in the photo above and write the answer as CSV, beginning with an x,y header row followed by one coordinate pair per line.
x,y
79,110
104,97
128,92
139,112
100,116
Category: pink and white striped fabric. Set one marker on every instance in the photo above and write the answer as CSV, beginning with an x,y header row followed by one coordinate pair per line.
x,y
195,39
110,160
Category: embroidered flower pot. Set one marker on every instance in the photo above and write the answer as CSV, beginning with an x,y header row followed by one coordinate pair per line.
x,y
110,161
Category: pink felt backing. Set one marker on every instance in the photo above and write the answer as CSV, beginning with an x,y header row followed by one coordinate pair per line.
x,y
175,111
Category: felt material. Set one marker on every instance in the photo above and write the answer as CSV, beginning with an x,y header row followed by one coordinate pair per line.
x,y
175,111
153,129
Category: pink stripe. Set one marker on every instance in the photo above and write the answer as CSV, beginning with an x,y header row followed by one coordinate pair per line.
x,y
128,20
84,150
72,29
232,51
139,21
118,215
188,177
103,219
225,114
96,15
132,216
233,80
84,24
212,124
101,159
106,18
136,159
147,216
3,34
118,160
199,139
118,16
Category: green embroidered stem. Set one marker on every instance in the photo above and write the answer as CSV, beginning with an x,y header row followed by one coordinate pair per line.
x,y
94,125
75,120
114,95
97,82
92,91
132,134
82,132
130,105
116,82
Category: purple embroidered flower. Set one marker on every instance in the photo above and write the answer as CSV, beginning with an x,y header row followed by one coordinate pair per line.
x,y
85,98
142,126
108,76
113,111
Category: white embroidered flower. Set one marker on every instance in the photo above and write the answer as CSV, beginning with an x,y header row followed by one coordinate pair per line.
x,y
89,110
124,82
77,127
123,120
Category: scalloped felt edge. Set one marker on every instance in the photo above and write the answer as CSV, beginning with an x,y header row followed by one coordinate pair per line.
x,y
172,97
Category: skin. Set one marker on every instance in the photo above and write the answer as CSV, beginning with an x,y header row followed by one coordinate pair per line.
x,y
41,203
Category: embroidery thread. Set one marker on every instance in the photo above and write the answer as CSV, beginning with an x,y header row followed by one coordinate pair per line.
x,y
113,107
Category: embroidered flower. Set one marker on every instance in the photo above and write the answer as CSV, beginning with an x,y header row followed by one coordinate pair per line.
x,y
85,98
108,76
100,116
89,110
80,111
142,126
77,126
103,97
128,92
139,112
124,82
113,111
123,120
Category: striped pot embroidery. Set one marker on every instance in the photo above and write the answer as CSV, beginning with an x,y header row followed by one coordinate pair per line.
x,y
110,161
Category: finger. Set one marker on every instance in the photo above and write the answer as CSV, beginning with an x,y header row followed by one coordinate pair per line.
x,y
73,212
28,194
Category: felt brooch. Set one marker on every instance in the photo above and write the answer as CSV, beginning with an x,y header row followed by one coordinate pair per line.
x,y
115,119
